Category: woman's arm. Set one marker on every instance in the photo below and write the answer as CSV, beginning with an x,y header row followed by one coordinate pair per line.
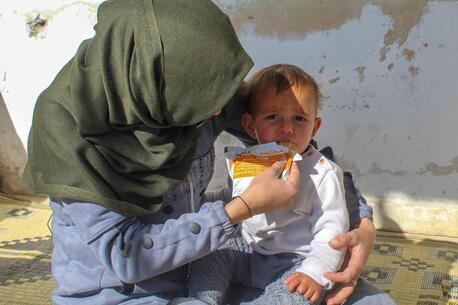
x,y
135,251
357,206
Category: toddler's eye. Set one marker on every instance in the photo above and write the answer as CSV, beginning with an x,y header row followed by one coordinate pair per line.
x,y
272,117
300,118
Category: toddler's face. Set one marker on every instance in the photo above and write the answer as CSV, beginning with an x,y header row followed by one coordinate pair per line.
x,y
289,116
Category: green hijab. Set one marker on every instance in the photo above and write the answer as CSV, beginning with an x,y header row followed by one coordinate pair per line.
x,y
117,126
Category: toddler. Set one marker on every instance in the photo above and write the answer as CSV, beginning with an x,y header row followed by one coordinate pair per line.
x,y
284,252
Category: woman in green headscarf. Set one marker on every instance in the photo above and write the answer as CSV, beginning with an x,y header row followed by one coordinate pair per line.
x,y
122,142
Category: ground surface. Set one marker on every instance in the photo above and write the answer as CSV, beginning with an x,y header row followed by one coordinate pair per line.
x,y
420,270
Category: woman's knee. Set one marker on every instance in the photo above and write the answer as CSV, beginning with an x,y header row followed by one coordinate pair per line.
x,y
367,294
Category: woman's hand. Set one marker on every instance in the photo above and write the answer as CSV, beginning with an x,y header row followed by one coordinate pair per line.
x,y
266,192
359,243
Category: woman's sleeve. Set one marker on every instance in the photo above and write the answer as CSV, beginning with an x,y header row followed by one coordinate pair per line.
x,y
223,194
356,204
230,120
135,251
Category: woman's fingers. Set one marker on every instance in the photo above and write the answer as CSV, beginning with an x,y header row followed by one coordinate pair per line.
x,y
359,243
268,192
294,176
351,268
276,168
345,240
339,295
346,276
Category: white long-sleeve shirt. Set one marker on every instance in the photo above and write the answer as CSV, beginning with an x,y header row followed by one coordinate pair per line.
x,y
317,215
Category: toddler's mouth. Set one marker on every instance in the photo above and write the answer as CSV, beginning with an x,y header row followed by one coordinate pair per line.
x,y
291,146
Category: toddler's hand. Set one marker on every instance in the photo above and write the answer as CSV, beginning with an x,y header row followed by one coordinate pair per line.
x,y
303,285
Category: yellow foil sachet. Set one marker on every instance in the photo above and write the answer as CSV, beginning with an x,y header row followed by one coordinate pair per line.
x,y
246,163
252,165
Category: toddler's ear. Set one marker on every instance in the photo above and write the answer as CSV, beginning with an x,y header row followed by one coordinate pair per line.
x,y
316,126
248,125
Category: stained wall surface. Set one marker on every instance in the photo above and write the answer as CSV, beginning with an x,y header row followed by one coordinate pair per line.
x,y
388,70
12,155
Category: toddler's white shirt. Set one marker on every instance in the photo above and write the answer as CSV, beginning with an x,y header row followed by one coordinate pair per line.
x,y
317,215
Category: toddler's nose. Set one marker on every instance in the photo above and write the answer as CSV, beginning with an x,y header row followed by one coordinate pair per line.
x,y
286,127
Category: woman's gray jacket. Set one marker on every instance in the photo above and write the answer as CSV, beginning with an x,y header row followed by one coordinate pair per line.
x,y
101,257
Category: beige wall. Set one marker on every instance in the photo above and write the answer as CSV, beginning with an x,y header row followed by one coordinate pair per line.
x,y
388,69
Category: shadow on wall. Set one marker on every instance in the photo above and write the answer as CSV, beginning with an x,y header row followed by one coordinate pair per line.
x,y
12,156
386,223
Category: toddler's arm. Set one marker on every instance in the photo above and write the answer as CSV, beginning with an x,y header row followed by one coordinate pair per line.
x,y
329,218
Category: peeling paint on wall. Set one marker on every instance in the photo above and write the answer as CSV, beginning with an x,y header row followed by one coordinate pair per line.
x,y
438,170
290,19
408,54
50,11
37,19
352,107
378,62
414,70
360,71
376,170
405,15
349,165
383,51
334,80
35,24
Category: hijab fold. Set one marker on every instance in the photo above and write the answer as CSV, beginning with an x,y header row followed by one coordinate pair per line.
x,y
117,126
